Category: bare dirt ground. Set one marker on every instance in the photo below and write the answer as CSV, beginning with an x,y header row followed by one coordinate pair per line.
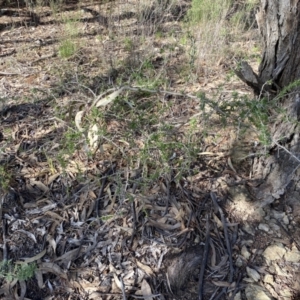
x,y
160,204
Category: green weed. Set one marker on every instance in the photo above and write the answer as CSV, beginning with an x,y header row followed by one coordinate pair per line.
x,y
11,271
67,48
69,45
128,44
5,178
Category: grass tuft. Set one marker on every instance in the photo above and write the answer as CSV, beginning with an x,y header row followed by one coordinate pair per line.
x,y
67,49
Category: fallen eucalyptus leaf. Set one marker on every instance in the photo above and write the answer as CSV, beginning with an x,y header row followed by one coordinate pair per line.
x,y
146,290
163,226
42,210
78,120
117,281
23,288
70,255
111,97
52,178
145,268
54,216
39,278
253,274
40,185
93,137
221,283
31,259
46,267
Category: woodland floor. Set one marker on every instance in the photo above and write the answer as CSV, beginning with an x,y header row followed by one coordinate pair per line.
x,y
127,209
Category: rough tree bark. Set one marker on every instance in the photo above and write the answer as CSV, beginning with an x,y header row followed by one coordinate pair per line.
x,y
279,25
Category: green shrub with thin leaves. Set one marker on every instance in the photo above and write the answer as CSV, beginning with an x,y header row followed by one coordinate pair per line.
x,y
11,271
67,48
5,178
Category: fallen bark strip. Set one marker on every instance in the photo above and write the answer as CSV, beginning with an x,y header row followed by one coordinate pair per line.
x,y
204,259
213,196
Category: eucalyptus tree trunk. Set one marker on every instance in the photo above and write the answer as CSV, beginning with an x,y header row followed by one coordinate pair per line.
x,y
279,26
